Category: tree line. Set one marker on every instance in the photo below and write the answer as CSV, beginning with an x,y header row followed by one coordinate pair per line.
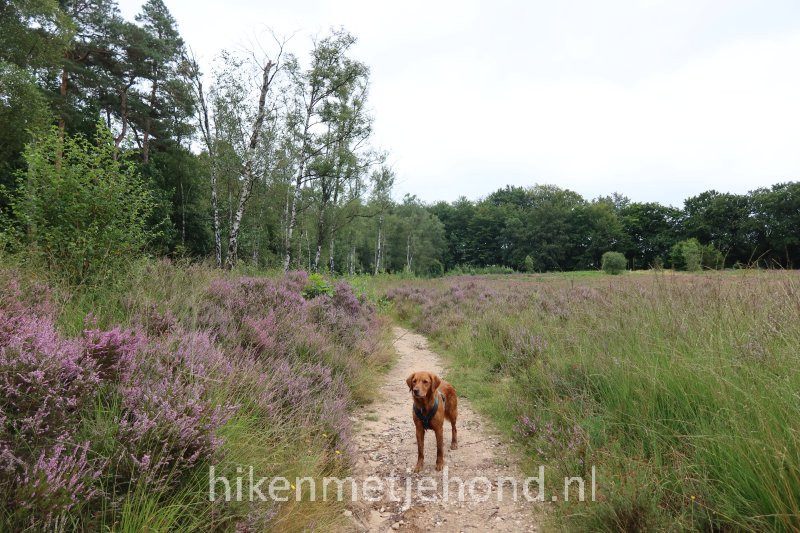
x,y
114,142
546,228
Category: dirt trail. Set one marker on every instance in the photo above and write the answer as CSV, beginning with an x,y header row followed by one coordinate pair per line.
x,y
387,447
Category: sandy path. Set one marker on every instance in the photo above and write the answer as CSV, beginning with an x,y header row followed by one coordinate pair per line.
x,y
387,447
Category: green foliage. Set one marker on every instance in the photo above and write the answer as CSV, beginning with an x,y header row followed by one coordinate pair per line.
x,y
23,109
317,285
528,264
83,212
692,256
614,263
686,255
415,239
461,270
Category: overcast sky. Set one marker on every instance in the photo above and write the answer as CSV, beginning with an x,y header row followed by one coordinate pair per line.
x,y
656,99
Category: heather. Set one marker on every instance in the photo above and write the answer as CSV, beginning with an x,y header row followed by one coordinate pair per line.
x,y
110,419
681,389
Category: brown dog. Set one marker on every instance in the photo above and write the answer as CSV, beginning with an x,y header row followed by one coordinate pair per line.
x,y
434,401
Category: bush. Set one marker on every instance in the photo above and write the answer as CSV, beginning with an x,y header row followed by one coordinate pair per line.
x,y
460,270
99,426
692,256
316,286
528,264
614,263
83,212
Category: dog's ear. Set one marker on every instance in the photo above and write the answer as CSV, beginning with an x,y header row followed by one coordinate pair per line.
x,y
408,381
435,382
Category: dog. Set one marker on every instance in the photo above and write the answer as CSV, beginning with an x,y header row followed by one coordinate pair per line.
x,y
434,401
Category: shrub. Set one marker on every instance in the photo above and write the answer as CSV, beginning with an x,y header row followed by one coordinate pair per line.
x,y
711,257
89,421
613,263
692,256
528,264
316,286
460,270
437,269
84,212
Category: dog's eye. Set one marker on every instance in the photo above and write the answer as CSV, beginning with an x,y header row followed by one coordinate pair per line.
x,y
425,381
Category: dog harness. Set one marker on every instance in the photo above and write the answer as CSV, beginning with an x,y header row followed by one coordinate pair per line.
x,y
426,418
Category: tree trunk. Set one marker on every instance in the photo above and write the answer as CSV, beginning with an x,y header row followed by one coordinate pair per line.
x,y
408,252
330,255
378,251
206,129
351,267
148,124
287,248
123,104
287,245
183,217
62,118
320,233
248,173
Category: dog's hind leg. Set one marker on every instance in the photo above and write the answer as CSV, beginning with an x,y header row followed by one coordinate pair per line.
x,y
452,415
454,440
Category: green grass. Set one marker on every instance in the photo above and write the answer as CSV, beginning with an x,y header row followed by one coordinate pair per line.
x,y
682,388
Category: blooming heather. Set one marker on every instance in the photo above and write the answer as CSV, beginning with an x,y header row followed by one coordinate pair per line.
x,y
84,420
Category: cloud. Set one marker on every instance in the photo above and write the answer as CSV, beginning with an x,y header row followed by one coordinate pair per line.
x,y
656,99
726,120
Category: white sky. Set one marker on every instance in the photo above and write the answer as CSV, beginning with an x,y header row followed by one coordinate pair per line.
x,y
656,99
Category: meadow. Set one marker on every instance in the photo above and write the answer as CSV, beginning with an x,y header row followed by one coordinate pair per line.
x,y
680,389
116,399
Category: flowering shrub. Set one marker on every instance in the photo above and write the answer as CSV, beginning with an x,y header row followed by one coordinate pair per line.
x,y
85,420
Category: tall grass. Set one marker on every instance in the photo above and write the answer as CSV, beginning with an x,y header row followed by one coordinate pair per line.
x,y
682,390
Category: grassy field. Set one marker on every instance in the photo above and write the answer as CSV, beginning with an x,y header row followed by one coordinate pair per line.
x,y
681,389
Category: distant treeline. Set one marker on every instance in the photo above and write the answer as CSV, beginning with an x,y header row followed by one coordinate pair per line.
x,y
560,230
286,175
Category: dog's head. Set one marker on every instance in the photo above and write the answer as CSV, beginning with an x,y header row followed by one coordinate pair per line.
x,y
422,384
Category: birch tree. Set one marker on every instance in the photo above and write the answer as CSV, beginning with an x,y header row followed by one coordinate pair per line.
x,y
209,139
331,71
339,172
247,121
383,180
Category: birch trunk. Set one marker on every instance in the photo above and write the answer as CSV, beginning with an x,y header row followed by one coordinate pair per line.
x,y
287,246
408,252
378,251
330,254
205,127
320,235
248,171
351,267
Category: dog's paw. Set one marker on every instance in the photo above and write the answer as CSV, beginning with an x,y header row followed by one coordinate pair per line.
x,y
439,467
418,469
454,446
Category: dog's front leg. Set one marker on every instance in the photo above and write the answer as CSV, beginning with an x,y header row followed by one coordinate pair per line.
x,y
439,447
420,447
